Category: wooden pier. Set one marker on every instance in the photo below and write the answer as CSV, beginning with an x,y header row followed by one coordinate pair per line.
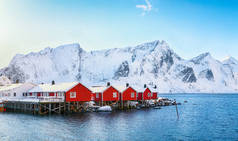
x,y
44,108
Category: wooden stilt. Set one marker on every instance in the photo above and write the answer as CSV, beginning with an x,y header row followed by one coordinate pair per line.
x,y
59,108
49,108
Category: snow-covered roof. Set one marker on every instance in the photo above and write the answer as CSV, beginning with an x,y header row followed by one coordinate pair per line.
x,y
98,89
4,81
139,89
61,87
120,88
10,86
152,89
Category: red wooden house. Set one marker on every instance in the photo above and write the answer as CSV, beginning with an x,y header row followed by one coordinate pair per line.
x,y
127,93
154,91
104,93
144,93
62,92
154,94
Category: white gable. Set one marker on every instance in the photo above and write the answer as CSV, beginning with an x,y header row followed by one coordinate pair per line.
x,y
98,89
61,87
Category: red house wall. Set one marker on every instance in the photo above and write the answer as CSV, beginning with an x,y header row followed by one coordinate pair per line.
x,y
126,95
51,94
108,94
99,97
139,96
82,94
145,94
38,94
154,95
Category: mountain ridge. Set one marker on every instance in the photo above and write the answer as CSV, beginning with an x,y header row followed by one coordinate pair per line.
x,y
152,63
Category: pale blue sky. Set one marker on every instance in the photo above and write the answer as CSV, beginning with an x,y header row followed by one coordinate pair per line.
x,y
190,27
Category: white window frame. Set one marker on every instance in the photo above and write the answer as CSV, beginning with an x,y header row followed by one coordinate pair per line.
x,y
132,95
114,94
72,94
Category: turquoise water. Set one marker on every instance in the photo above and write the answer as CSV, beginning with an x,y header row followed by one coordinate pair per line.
x,y
204,117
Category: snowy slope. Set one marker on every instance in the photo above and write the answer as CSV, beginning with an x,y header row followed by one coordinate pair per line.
x,y
153,63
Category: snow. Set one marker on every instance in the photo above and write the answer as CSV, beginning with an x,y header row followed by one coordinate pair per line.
x,y
9,87
133,103
61,87
4,81
152,63
98,89
105,109
120,88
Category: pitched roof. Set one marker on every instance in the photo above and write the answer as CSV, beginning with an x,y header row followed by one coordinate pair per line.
x,y
98,89
140,89
61,87
10,86
152,89
121,88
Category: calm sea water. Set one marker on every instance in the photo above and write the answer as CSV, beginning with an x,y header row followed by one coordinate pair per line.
x,y
204,117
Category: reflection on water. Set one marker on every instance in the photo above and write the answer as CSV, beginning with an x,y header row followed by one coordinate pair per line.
x,y
204,117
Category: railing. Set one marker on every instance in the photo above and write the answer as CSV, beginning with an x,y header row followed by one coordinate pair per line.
x,y
50,99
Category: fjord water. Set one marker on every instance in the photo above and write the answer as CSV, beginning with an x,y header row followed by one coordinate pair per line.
x,y
204,117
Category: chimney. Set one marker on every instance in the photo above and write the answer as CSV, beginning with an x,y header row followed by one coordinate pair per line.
x,y
127,84
145,86
53,82
108,84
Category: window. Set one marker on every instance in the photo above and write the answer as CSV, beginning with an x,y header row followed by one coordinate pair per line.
x,y
114,95
97,95
15,94
148,94
72,94
151,94
132,95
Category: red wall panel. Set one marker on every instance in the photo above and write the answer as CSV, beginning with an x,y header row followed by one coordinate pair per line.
x,y
82,93
108,94
127,94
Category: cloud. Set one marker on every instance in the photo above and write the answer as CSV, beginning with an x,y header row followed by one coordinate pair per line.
x,y
145,7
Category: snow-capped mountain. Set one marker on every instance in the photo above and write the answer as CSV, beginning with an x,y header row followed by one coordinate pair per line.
x,y
152,63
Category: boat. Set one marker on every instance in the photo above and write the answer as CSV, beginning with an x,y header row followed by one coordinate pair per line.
x,y
157,107
105,109
2,109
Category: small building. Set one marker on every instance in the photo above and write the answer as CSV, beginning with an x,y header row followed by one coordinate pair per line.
x,y
104,94
62,92
14,91
144,93
154,92
127,93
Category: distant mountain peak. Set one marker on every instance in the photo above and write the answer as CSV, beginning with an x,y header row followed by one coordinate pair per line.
x,y
153,63
201,57
230,60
